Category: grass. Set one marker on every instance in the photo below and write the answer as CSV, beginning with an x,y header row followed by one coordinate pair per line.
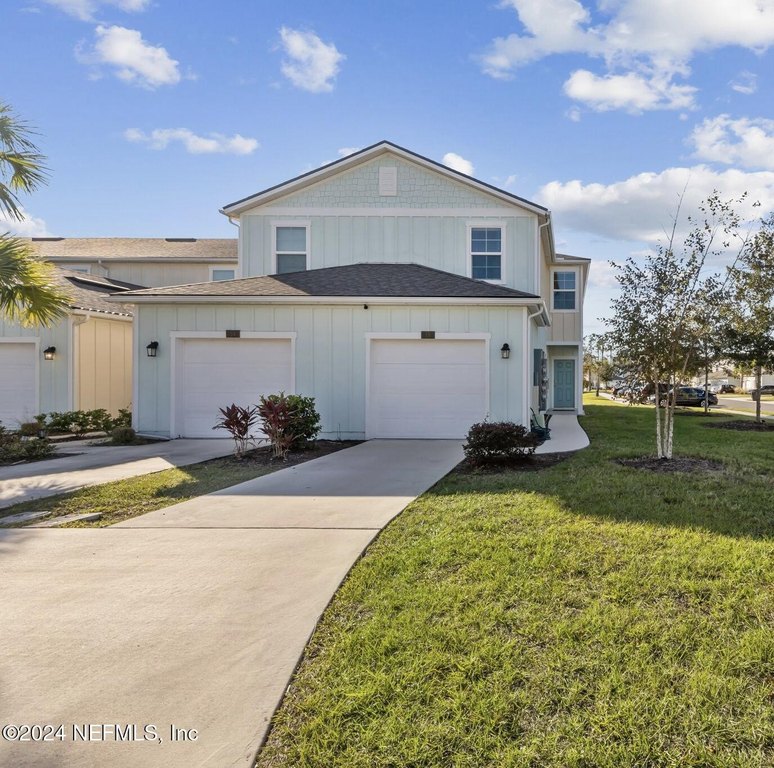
x,y
123,499
586,616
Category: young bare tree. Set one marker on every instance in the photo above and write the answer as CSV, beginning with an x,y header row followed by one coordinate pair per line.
x,y
28,293
653,324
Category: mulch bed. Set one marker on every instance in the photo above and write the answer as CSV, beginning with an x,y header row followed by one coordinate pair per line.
x,y
676,464
262,457
534,463
742,426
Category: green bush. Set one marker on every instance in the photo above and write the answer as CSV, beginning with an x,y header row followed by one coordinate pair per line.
x,y
302,416
30,428
123,436
498,442
13,448
76,422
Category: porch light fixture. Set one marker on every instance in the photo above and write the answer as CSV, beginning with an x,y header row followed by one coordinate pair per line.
x,y
152,348
49,353
505,351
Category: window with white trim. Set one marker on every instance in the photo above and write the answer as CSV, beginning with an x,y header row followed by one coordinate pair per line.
x,y
564,291
291,249
216,273
486,253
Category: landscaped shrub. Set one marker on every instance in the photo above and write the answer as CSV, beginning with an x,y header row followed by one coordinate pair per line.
x,y
276,416
304,419
13,448
97,420
30,428
498,442
238,422
123,436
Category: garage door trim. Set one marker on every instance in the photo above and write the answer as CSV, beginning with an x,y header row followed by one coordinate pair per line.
x,y
371,337
36,342
176,336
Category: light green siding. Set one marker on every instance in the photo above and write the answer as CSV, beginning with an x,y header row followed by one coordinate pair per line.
x,y
425,223
330,352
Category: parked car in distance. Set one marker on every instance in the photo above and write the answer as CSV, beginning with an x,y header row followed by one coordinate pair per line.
x,y
767,390
727,389
693,396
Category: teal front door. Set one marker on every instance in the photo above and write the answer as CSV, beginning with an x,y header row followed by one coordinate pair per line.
x,y
564,383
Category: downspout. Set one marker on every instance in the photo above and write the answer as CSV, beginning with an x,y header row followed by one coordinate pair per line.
x,y
540,263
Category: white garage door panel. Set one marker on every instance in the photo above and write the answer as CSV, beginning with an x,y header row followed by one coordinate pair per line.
x,y
18,384
214,373
426,388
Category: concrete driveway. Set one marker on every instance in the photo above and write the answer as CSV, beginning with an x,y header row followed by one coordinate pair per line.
x,y
194,618
96,464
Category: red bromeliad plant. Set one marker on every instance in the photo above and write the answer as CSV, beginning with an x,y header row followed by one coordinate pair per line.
x,y
238,421
277,414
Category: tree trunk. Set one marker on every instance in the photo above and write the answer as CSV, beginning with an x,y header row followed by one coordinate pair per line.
x,y
706,388
758,375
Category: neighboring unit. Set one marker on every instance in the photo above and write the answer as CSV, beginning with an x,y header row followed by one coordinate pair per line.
x,y
81,363
409,299
148,261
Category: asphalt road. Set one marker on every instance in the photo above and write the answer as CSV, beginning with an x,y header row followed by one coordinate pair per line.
x,y
746,404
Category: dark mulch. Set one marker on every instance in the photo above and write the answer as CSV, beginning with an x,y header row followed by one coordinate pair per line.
x,y
262,457
742,426
534,463
675,464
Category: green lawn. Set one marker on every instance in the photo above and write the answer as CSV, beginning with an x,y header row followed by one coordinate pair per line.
x,y
586,616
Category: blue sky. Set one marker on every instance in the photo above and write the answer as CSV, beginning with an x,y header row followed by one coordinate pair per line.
x,y
154,113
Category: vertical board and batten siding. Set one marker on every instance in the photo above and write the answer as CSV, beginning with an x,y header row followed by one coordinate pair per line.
x,y
435,239
330,352
153,275
104,353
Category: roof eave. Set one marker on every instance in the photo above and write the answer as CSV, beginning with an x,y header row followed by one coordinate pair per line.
x,y
517,301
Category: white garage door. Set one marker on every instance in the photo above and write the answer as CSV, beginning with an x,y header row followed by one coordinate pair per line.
x,y
213,373
429,388
18,384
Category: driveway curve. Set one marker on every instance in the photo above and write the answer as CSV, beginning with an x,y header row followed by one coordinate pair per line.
x,y
192,620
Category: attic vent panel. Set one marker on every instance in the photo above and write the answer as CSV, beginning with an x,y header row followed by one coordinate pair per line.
x,y
388,182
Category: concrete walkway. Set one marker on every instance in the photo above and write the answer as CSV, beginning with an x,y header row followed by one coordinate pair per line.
x,y
193,618
97,464
566,435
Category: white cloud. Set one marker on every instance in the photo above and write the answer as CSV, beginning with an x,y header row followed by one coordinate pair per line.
x,y
746,83
214,143
85,9
631,92
641,207
311,64
29,226
458,163
652,39
346,151
134,60
748,142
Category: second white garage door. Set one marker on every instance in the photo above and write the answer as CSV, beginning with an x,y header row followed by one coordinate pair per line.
x,y
214,373
428,388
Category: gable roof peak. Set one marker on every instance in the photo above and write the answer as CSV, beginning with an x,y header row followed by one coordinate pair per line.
x,y
362,156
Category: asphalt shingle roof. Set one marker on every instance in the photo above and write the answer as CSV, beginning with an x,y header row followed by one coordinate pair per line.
x,y
372,279
64,249
89,292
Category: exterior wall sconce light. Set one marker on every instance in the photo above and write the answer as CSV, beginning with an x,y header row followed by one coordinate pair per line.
x,y
505,351
152,348
49,353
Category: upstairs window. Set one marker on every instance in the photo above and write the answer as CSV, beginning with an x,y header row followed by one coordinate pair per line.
x,y
486,253
291,249
221,274
564,291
